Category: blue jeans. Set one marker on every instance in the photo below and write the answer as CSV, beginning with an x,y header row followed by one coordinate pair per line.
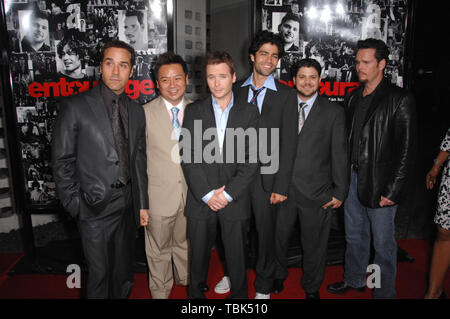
x,y
359,222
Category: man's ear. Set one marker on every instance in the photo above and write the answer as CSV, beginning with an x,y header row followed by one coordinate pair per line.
x,y
382,64
131,73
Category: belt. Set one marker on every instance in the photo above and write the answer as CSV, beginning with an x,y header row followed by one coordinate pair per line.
x,y
120,184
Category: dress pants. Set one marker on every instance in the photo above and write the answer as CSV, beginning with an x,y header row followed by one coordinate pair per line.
x,y
202,235
315,224
265,219
166,247
109,241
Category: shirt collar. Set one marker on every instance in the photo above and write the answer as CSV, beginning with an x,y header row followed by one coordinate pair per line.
x,y
268,83
311,101
216,104
169,105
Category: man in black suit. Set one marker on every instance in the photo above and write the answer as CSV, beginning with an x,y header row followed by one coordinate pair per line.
x,y
99,166
218,170
277,105
319,180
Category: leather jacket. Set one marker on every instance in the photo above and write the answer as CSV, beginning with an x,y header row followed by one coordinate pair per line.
x,y
387,143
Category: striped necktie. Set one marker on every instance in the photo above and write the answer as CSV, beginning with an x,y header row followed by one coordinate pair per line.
x,y
255,94
175,123
301,116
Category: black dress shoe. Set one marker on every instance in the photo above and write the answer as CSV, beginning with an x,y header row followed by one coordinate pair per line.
x,y
341,287
313,295
277,286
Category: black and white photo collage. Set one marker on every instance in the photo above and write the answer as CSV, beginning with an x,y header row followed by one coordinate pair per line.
x,y
54,51
328,31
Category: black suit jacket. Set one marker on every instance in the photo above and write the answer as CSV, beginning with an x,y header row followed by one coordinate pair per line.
x,y
321,164
279,111
85,160
201,176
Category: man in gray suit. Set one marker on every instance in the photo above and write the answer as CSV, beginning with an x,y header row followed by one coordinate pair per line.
x,y
99,166
319,180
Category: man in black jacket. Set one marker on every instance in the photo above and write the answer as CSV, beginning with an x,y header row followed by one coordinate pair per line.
x,y
218,168
100,169
381,121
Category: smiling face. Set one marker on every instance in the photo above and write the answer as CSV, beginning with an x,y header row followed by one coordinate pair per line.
x,y
265,60
307,82
116,69
38,31
172,82
289,31
220,80
133,31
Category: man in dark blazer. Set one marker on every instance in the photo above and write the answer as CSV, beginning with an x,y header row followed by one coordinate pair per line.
x,y
277,105
319,179
218,168
99,166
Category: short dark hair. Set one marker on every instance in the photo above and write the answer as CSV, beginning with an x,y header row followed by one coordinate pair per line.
x,y
305,63
381,49
119,44
217,57
169,58
138,14
264,37
73,41
289,16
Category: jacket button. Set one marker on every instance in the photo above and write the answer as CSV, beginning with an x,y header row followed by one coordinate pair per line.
x,y
117,163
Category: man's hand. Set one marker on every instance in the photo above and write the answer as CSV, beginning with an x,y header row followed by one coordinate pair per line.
x,y
277,198
144,217
218,200
333,203
386,202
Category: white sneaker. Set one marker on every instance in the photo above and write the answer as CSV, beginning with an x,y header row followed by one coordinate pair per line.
x,y
223,286
262,296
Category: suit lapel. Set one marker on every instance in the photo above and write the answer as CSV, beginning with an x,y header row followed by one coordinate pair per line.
x,y
241,93
270,98
98,107
132,125
163,118
313,116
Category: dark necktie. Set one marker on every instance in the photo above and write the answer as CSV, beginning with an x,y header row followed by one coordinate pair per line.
x,y
121,143
255,94
301,116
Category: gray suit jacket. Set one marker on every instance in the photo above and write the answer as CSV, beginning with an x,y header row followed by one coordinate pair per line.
x,y
321,168
84,157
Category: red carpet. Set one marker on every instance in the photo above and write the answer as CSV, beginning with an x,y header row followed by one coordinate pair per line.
x,y
411,280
